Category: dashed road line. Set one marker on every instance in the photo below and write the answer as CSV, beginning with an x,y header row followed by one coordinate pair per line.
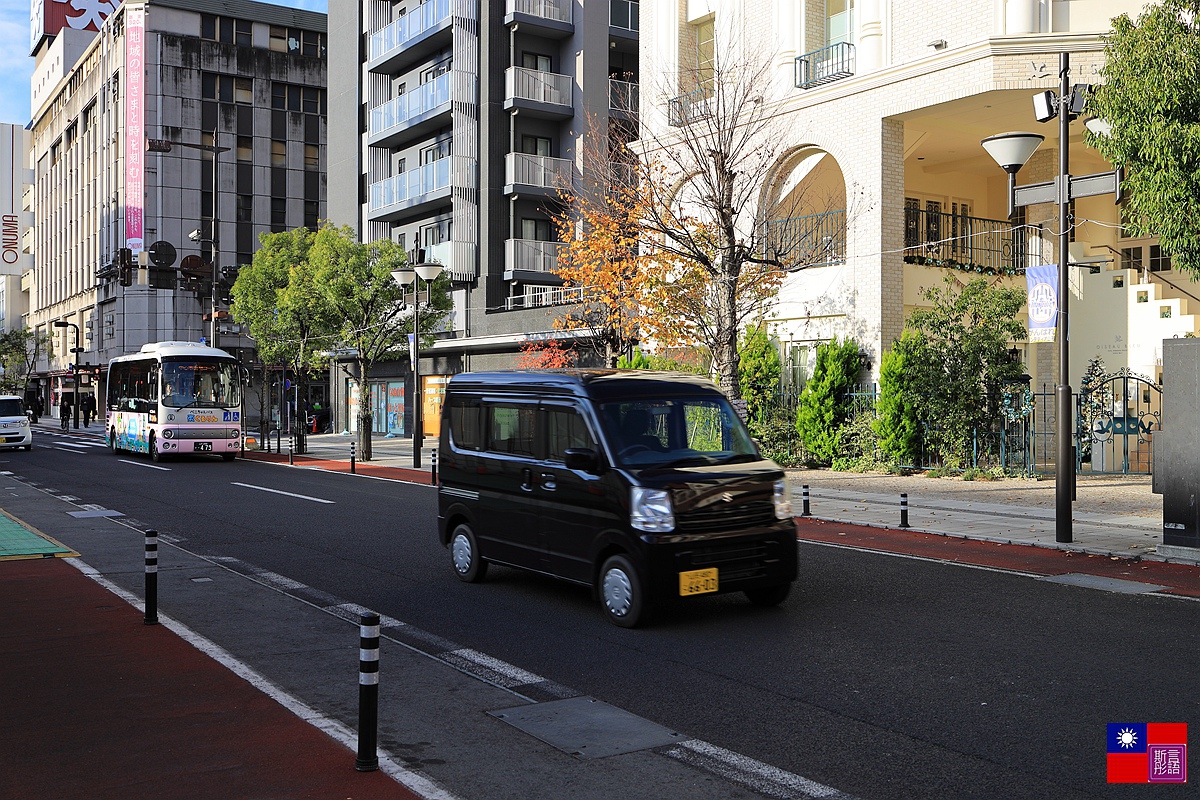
x,y
280,491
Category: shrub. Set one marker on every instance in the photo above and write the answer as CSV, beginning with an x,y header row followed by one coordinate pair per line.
x,y
897,423
824,404
759,369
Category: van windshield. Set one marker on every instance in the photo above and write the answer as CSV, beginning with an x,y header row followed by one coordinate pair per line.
x,y
11,407
678,432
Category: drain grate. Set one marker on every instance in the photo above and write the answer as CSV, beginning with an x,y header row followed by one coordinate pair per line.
x,y
587,727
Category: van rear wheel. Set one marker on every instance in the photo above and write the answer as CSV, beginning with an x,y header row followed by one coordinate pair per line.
x,y
769,595
464,555
621,593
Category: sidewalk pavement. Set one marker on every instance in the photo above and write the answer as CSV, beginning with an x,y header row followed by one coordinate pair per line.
x,y
248,689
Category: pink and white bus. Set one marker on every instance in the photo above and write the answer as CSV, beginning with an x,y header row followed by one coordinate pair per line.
x,y
175,398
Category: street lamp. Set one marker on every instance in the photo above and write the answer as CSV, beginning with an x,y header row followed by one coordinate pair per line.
x,y
1011,151
412,275
164,146
62,323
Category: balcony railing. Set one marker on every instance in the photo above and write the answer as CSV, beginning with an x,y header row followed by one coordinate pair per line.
x,y
544,171
409,105
529,255
542,87
688,108
622,96
557,10
408,27
822,66
457,257
414,184
958,241
623,14
812,240
542,296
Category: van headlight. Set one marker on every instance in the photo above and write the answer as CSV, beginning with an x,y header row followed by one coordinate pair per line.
x,y
783,500
650,510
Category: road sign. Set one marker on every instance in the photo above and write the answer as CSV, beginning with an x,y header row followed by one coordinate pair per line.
x,y
162,254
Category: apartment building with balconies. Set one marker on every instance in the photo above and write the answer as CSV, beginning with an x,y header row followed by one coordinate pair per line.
x,y
454,125
238,80
885,106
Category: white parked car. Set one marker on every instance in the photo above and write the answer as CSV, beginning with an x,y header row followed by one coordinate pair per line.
x,y
14,424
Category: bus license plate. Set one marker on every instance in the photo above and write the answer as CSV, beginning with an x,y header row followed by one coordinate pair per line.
x,y
203,447
698,581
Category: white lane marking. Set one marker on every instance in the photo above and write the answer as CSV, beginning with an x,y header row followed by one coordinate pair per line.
x,y
280,491
496,665
140,464
348,737
73,444
67,450
751,772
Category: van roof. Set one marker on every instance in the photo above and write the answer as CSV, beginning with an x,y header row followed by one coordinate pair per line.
x,y
599,384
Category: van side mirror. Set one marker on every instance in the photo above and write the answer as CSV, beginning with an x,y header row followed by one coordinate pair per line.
x,y
583,459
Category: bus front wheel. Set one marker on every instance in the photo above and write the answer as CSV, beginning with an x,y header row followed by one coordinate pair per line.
x,y
155,456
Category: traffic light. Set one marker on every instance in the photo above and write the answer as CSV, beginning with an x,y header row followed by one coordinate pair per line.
x,y
125,266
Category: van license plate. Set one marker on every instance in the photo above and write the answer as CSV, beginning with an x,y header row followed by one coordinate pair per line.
x,y
698,581
203,447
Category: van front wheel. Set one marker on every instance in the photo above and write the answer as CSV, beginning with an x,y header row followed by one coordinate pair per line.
x,y
621,592
464,555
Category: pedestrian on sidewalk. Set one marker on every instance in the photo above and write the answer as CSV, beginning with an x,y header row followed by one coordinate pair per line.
x,y
64,411
38,408
87,407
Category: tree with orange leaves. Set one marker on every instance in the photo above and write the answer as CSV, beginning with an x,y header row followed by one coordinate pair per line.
x,y
547,354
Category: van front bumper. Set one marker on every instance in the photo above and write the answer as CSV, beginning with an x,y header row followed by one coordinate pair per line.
x,y
752,560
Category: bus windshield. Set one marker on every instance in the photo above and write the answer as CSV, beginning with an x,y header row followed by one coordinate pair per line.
x,y
194,383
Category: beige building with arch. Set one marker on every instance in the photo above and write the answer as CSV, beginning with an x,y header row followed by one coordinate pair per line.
x,y
886,103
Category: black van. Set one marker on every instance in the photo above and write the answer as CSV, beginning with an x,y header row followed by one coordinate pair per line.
x,y
642,485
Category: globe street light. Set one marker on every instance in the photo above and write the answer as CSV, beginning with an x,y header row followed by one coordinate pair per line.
x,y
418,270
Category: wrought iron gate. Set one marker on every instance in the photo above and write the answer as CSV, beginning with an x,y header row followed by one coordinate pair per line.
x,y
1118,415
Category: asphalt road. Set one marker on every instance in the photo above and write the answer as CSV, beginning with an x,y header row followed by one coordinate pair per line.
x,y
883,677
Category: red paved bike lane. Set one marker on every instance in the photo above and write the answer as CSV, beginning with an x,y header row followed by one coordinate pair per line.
x,y
95,704
1182,579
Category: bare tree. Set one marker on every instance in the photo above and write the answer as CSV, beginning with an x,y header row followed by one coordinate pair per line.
x,y
719,216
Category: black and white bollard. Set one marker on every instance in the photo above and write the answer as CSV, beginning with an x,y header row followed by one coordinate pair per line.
x,y
352,458
903,510
433,466
291,448
804,493
151,577
368,693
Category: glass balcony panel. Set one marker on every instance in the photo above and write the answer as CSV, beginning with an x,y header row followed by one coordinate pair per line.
x,y
558,10
622,96
414,184
542,87
544,171
411,25
409,105
529,255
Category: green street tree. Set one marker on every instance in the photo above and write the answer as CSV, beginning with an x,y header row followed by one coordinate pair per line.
x,y
354,283
957,360
825,405
1151,97
19,351
759,370
897,422
275,296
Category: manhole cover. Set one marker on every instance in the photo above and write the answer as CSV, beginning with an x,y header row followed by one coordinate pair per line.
x,y
585,726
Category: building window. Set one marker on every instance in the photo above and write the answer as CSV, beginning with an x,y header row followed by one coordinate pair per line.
x,y
312,156
243,90
218,87
243,33
208,27
278,153
245,148
311,212
535,145
206,204
1159,261
309,99
278,213
277,39
706,53
537,229
839,21
312,44
245,208
530,61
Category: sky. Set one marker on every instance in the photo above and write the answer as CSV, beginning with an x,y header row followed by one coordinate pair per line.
x,y
16,66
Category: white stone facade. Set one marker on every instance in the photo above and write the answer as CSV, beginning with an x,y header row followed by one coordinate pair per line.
x,y
930,79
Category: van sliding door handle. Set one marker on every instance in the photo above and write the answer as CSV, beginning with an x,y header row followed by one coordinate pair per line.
x,y
527,480
548,481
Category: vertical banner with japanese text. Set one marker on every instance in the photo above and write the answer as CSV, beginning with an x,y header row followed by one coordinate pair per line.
x,y
1042,284
135,121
